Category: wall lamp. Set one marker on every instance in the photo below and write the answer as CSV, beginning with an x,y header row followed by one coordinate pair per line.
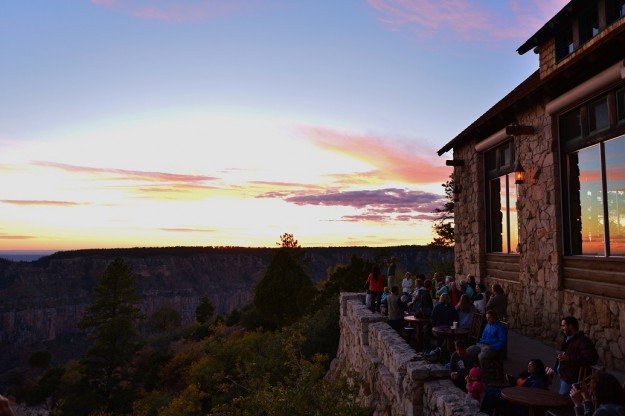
x,y
519,174
455,193
519,130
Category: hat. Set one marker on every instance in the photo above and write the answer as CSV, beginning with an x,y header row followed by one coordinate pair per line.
x,y
476,373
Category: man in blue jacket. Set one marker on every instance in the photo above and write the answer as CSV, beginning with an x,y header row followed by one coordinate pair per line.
x,y
492,342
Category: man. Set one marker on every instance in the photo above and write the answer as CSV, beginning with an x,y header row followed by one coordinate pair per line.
x,y
577,351
395,310
492,342
390,272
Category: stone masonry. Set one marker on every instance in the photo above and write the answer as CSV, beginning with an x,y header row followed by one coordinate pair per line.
x,y
392,382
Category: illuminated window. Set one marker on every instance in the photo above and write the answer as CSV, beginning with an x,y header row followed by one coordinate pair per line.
x,y
502,223
594,176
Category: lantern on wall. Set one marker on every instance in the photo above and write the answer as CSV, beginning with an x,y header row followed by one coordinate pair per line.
x,y
519,174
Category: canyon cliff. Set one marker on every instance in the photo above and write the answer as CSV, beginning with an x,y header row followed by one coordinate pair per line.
x,y
43,300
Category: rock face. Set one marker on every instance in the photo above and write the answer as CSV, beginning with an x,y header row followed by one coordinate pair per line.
x,y
42,300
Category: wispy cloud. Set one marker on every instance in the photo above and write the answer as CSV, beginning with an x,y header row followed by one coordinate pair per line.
x,y
382,205
176,11
188,230
38,202
469,19
124,174
15,237
393,160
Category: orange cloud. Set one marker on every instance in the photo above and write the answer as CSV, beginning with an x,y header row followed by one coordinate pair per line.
x,y
467,18
393,161
36,202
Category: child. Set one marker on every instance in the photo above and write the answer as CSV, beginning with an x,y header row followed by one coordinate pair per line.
x,y
475,386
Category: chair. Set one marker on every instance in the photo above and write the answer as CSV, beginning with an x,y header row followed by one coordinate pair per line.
x,y
476,327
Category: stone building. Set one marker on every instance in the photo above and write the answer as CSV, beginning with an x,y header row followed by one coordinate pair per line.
x,y
555,242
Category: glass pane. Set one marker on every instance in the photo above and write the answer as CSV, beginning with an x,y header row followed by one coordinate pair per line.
x,y
505,226
514,218
615,177
496,215
620,105
564,43
506,155
598,118
588,24
491,160
570,125
586,203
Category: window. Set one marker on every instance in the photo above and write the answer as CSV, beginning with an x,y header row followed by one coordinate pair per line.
x,y
620,105
598,118
594,177
588,24
564,43
502,223
615,9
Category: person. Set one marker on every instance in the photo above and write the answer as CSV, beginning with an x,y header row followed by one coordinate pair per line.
x,y
407,283
375,281
5,407
421,303
475,385
534,377
437,283
460,363
492,342
383,304
390,271
465,288
465,309
446,287
577,351
604,398
395,310
455,293
498,301
442,314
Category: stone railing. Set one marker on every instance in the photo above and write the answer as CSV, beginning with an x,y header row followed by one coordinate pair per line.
x,y
393,381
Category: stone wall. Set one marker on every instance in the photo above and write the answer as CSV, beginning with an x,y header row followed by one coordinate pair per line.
x,y
393,382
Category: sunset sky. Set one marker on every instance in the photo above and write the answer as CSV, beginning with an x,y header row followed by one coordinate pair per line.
x,y
128,123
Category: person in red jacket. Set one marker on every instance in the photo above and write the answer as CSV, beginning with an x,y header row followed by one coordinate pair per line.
x,y
376,283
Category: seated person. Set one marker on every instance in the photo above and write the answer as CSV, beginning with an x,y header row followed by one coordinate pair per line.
x,y
534,377
475,385
465,309
605,397
492,342
443,314
421,303
460,364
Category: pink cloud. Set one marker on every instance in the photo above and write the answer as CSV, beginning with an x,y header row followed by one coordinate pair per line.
x,y
188,230
393,161
175,11
471,19
124,174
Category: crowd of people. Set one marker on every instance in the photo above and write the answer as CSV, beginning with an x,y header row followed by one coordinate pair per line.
x,y
447,302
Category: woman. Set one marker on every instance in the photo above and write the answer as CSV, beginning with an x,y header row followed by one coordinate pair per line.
x,y
498,302
454,293
442,314
465,310
375,280
407,284
534,377
605,391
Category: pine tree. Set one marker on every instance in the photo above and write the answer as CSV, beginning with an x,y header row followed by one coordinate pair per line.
x,y
111,321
